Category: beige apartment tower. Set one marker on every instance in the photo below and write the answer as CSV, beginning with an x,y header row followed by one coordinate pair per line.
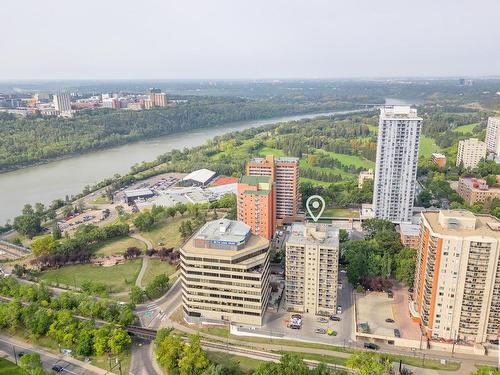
x,y
285,174
470,152
225,274
312,258
457,281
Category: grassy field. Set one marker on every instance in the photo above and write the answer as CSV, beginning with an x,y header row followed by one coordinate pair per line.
x,y
466,128
118,278
166,233
157,267
103,362
341,212
304,164
101,199
347,160
271,151
118,246
245,363
9,368
427,147
314,182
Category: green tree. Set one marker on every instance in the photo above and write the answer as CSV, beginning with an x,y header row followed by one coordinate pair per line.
x,y
56,232
405,266
194,359
169,351
119,340
157,287
364,363
144,221
136,295
43,245
30,363
28,224
101,340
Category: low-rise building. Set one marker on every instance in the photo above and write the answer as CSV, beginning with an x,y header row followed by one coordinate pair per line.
x,y
410,234
470,152
438,159
225,274
135,194
200,177
457,281
312,258
476,190
363,176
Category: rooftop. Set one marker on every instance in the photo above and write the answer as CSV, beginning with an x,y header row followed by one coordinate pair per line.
x,y
313,234
255,180
409,229
478,184
138,192
399,111
201,176
438,155
462,223
224,180
223,230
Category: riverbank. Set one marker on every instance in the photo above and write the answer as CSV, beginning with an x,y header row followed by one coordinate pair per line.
x,y
56,179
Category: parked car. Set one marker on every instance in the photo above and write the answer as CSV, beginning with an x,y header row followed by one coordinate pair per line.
x,y
370,345
397,333
322,320
410,290
335,318
20,354
321,331
389,320
390,294
294,326
339,309
494,342
296,316
57,368
331,332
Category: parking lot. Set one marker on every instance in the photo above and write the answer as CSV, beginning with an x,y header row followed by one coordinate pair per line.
x,y
277,323
383,314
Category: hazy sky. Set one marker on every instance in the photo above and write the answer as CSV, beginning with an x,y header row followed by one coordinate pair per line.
x,y
107,39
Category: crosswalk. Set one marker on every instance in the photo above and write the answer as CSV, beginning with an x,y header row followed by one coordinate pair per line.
x,y
153,311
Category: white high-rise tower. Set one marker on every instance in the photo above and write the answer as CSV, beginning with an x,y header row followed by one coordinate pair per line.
x,y
396,168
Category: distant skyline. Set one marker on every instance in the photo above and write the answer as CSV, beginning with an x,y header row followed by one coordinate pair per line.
x,y
223,39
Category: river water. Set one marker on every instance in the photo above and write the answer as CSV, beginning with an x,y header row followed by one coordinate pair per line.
x,y
46,182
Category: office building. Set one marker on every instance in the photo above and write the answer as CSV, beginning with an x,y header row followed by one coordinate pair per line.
x,y
256,197
438,159
410,235
157,98
225,274
470,152
493,135
396,166
363,176
285,174
476,190
62,103
457,281
311,275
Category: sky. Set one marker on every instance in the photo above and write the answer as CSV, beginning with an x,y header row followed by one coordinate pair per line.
x,y
248,39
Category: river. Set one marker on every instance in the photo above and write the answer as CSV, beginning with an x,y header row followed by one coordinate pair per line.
x,y
46,182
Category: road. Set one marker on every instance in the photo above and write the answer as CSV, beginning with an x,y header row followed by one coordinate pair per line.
x,y
70,365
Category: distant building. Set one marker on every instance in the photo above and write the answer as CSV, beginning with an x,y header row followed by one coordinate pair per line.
x,y
200,177
470,152
132,195
157,98
396,167
285,174
363,176
225,274
311,268
366,211
148,103
256,199
62,103
493,136
112,103
410,234
476,190
457,282
438,159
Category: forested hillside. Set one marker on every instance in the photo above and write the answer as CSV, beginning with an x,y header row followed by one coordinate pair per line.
x,y
25,141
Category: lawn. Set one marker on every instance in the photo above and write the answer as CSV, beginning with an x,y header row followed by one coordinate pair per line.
x,y
118,246
314,182
157,267
9,368
428,146
166,233
304,164
245,363
348,160
103,362
101,199
118,278
341,212
464,129
271,151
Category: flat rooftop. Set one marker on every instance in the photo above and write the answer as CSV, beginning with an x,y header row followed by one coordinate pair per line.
x,y
399,111
223,230
409,229
484,224
138,192
311,234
